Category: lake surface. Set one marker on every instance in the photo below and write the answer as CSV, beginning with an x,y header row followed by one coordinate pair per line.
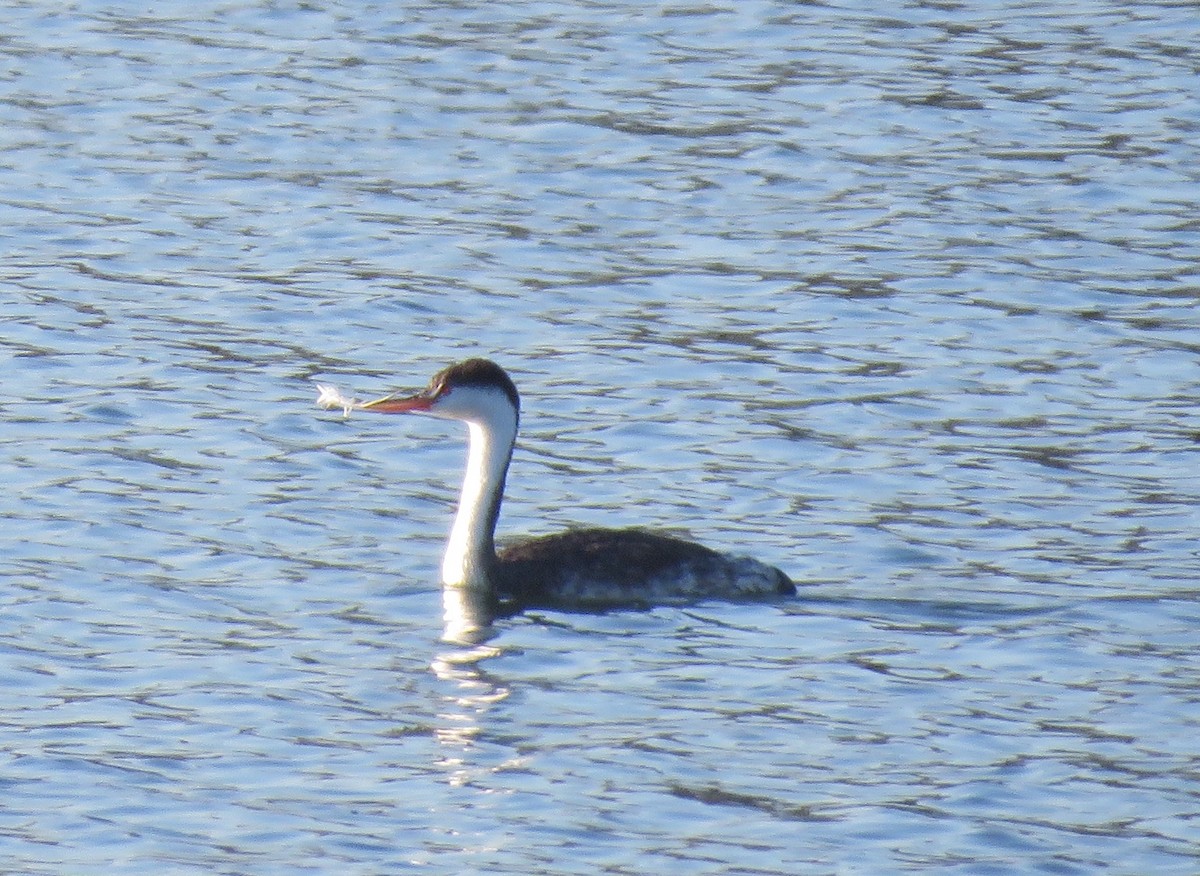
x,y
900,298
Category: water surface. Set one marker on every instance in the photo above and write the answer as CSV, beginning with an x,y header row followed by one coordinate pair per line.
x,y
900,300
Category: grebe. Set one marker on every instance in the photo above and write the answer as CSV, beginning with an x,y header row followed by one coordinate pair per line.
x,y
581,568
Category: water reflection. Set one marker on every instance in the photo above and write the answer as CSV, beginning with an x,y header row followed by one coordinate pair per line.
x,y
468,626
467,615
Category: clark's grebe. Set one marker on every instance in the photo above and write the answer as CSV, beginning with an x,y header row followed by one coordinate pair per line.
x,y
580,568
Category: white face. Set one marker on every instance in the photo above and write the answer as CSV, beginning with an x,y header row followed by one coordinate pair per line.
x,y
483,405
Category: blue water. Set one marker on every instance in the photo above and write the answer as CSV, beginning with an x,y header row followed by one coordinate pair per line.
x,y
900,299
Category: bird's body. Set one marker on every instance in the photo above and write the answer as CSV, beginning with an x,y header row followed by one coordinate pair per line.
x,y
627,567
582,568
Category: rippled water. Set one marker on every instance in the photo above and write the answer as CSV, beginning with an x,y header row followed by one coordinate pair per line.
x,y
902,299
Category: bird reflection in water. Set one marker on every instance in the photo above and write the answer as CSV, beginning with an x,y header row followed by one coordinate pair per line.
x,y
467,615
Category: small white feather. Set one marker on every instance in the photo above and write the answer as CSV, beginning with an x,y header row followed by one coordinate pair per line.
x,y
331,397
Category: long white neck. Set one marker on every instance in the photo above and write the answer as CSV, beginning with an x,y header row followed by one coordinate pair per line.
x,y
471,550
